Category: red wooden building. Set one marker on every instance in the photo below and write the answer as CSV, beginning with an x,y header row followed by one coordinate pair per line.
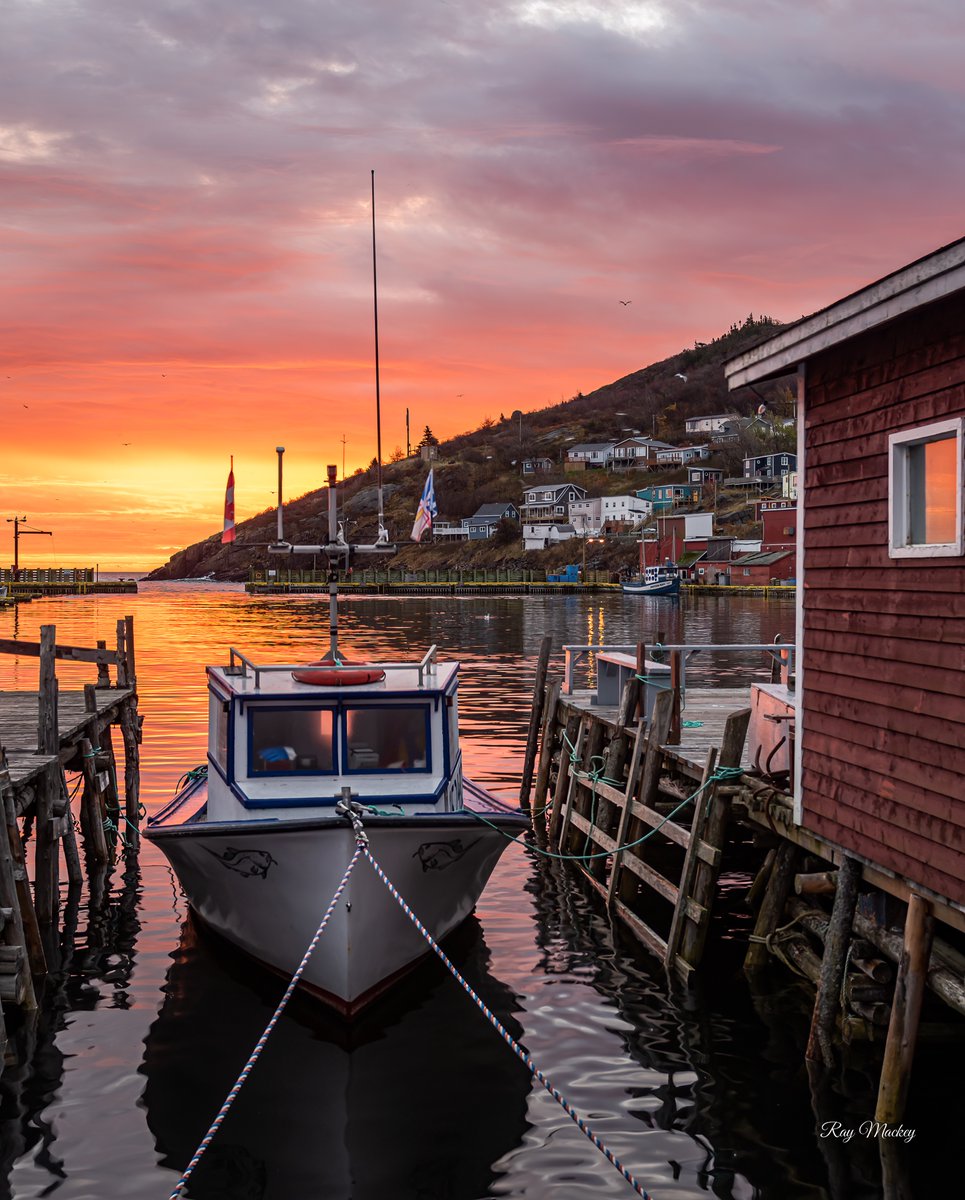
x,y
778,520
880,739
759,570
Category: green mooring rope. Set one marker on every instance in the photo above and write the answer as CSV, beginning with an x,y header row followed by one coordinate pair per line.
x,y
721,775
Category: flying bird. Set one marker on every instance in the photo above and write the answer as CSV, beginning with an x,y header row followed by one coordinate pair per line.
x,y
679,376
625,301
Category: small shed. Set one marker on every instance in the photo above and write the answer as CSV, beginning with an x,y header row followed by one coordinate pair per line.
x,y
880,726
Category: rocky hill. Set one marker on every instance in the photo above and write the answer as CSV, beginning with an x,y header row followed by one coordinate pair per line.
x,y
484,465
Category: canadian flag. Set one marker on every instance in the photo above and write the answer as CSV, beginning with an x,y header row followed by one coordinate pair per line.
x,y
229,506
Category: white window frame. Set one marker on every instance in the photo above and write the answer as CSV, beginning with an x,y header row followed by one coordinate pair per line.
x,y
898,515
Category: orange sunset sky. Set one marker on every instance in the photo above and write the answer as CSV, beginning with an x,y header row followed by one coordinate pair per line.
x,y
186,243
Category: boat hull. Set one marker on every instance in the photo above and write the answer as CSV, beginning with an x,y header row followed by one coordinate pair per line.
x,y
671,588
265,885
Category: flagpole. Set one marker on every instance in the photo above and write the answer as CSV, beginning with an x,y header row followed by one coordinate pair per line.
x,y
378,397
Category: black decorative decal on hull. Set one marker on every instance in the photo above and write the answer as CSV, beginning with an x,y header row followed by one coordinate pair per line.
x,y
436,856
245,862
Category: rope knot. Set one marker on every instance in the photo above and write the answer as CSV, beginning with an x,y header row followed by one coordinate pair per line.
x,y
353,812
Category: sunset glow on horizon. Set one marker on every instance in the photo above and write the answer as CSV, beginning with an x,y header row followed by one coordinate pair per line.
x,y
186,231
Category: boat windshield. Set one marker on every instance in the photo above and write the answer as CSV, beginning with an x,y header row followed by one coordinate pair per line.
x,y
287,741
387,738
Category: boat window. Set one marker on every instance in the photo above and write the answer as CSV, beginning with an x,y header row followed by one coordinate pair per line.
x,y
284,741
387,739
218,729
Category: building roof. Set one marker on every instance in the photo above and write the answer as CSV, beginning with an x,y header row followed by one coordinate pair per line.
x,y
761,560
591,446
492,510
938,274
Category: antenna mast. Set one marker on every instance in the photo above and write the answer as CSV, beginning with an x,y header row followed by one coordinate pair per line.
x,y
382,534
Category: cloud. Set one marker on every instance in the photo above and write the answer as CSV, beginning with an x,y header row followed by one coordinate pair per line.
x,y
184,199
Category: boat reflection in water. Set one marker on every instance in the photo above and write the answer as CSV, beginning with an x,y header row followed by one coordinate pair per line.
x,y
417,1099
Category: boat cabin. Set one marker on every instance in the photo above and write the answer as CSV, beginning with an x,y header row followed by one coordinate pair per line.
x,y
280,746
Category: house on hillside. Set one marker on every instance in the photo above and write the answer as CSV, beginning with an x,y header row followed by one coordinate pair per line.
x,y
635,453
589,456
711,424
769,466
549,502
704,474
682,454
586,515
879,772
668,495
538,537
483,522
624,512
537,466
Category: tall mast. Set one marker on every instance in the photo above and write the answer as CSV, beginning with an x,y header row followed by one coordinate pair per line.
x,y
378,397
332,566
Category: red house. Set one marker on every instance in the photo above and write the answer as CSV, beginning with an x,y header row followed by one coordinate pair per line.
x,y
880,738
778,520
758,570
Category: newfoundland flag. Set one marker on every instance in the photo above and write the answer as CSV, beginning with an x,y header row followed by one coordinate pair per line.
x,y
229,506
427,510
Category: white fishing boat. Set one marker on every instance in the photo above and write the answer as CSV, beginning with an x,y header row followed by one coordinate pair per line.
x,y
261,836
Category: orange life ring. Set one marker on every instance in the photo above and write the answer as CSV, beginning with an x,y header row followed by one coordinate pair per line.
x,y
330,672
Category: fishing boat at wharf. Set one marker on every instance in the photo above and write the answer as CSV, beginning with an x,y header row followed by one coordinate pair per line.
x,y
655,581
300,757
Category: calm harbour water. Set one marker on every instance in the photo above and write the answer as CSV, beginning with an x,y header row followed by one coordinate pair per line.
x,y
149,1021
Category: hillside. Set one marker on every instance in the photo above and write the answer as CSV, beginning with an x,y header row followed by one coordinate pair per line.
x,y
483,466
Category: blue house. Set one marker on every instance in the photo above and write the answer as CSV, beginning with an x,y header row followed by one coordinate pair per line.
x,y
484,521
666,495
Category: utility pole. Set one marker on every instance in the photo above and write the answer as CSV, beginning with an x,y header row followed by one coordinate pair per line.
x,y
343,457
408,447
18,533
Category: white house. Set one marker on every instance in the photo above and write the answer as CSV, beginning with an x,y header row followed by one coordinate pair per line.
x,y
590,455
538,537
711,424
628,510
683,454
586,516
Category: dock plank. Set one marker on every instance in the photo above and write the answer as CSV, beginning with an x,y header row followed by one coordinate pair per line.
x,y
710,706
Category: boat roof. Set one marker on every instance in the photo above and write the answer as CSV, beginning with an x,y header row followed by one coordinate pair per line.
x,y
242,677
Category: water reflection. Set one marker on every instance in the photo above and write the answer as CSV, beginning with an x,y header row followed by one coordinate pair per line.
x,y
417,1100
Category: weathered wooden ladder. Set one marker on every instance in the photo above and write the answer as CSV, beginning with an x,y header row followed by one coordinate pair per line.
x,y
592,815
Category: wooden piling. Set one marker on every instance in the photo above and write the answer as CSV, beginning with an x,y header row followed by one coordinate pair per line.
x,y
772,906
827,1000
535,720
131,735
905,1012
547,743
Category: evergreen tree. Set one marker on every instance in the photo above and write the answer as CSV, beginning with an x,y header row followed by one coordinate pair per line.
x,y
428,438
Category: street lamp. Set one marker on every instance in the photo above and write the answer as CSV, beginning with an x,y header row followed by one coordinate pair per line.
x,y
18,533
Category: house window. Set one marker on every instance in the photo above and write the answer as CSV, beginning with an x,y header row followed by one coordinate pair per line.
x,y
925,491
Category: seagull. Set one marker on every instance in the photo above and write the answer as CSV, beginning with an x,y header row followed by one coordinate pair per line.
x,y
679,376
625,301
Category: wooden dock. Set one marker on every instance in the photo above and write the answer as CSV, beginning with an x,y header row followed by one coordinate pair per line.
x,y
644,800
44,735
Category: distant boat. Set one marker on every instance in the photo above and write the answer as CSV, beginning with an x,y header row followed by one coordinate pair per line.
x,y
656,581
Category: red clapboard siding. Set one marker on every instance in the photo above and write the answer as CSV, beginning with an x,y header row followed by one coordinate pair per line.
x,y
932,839
930,790
903,626
883,698
932,706
852,833
936,735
